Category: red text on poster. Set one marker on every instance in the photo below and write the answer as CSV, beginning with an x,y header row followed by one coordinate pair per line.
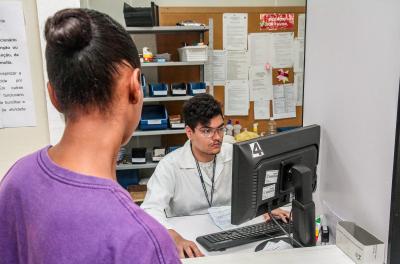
x,y
277,21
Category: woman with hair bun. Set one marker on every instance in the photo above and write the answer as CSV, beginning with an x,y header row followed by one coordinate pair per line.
x,y
62,204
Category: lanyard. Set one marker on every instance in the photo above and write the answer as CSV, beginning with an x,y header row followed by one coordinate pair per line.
x,y
202,180
203,184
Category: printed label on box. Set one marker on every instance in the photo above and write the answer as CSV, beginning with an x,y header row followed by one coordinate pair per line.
x,y
271,176
138,160
154,122
157,158
268,192
160,92
199,91
179,125
178,91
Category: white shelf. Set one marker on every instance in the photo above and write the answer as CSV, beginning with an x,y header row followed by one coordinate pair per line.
x,y
158,132
167,98
172,63
147,165
166,29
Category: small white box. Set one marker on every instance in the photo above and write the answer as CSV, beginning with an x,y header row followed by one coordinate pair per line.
x,y
358,244
193,53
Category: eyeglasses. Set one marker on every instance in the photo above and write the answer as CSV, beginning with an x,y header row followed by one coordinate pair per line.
x,y
209,132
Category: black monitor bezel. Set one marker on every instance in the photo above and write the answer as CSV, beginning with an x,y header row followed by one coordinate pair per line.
x,y
244,205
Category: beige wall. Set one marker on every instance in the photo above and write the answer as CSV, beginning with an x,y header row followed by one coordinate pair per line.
x,y
17,142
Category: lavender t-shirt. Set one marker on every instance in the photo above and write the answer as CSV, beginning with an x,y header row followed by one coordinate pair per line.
x,y
52,215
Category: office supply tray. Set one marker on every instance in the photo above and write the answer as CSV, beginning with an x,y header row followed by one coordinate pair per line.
x,y
154,117
196,88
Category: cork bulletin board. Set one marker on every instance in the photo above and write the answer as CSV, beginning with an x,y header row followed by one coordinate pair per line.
x,y
169,16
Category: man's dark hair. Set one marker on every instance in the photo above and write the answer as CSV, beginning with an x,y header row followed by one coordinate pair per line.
x,y
200,110
84,49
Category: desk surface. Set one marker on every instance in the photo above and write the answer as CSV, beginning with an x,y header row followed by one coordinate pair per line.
x,y
191,227
313,255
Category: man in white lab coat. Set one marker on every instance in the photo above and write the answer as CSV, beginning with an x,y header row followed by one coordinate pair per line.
x,y
196,176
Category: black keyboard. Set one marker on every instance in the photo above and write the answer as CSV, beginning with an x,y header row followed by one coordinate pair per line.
x,y
242,235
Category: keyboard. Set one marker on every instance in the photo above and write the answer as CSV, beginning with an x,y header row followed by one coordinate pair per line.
x,y
242,235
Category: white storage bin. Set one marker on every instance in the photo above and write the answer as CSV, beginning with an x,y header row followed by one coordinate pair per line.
x,y
193,53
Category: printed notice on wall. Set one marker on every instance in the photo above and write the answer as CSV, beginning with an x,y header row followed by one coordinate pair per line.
x,y
216,65
284,102
237,98
260,48
282,48
237,63
301,26
260,83
234,35
16,99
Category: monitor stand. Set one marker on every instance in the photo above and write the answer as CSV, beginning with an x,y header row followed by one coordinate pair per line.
x,y
303,207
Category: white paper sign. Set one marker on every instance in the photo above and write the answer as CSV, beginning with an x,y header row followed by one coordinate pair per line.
x,y
260,83
235,31
284,103
237,98
298,88
260,48
237,65
216,65
298,53
261,109
16,100
282,48
301,26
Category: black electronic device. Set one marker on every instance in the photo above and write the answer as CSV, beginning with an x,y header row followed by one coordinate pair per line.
x,y
141,16
242,235
268,170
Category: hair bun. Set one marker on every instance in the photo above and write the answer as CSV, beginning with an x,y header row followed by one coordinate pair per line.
x,y
69,29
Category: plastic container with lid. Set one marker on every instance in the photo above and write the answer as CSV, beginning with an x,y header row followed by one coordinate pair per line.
x,y
229,128
271,126
236,128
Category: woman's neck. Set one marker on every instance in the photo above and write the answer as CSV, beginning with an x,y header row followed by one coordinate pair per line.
x,y
88,147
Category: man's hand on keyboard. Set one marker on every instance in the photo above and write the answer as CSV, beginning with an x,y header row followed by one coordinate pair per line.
x,y
278,213
186,248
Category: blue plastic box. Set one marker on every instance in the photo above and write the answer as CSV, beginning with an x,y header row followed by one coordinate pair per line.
x,y
127,177
154,117
178,89
158,89
196,88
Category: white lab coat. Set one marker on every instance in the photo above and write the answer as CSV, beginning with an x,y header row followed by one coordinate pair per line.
x,y
175,188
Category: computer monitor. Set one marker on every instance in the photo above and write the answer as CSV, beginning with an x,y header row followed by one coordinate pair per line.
x,y
268,170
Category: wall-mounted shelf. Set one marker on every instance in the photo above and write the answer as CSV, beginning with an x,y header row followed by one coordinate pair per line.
x,y
147,165
158,132
172,63
151,138
165,29
167,98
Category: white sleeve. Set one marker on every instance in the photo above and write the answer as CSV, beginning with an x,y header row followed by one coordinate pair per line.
x,y
160,190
